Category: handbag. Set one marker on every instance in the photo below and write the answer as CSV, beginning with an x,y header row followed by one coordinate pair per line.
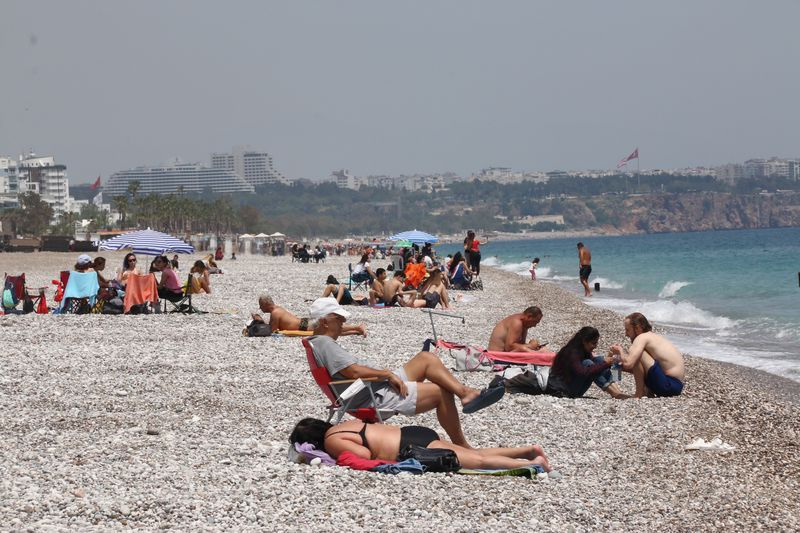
x,y
258,329
433,459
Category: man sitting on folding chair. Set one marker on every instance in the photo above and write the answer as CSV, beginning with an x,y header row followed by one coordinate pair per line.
x,y
421,385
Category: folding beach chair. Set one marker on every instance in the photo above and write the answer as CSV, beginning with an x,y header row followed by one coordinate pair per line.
x,y
333,391
139,291
360,283
15,290
80,293
182,303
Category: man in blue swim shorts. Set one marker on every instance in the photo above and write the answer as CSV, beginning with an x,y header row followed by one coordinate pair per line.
x,y
656,364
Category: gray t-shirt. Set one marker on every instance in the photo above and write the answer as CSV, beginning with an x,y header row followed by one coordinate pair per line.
x,y
333,357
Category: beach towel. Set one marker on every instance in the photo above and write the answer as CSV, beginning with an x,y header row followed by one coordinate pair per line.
x,y
139,290
351,460
305,453
81,285
529,472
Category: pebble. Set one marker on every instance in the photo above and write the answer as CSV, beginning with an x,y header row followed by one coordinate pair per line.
x,y
222,464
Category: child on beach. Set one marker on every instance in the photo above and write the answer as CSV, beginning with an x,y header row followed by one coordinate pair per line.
x,y
534,266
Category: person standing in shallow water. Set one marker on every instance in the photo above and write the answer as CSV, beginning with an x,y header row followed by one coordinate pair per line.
x,y
584,267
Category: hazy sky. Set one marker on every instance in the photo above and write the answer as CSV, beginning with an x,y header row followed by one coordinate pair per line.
x,y
400,87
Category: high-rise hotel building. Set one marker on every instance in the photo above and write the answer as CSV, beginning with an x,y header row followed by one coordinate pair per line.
x,y
255,167
176,178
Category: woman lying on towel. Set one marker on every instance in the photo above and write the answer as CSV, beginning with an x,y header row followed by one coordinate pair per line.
x,y
337,290
575,368
382,441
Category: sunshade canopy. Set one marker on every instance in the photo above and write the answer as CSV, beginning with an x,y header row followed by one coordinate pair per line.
x,y
415,236
147,242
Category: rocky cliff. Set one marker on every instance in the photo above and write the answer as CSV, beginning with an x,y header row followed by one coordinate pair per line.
x,y
684,212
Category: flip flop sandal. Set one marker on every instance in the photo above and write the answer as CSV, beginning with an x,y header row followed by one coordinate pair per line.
x,y
486,398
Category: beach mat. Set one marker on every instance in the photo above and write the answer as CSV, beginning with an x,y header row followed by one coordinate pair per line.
x,y
523,471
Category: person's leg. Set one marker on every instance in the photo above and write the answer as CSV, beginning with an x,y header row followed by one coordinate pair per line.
x,y
426,366
328,290
606,380
431,396
639,372
470,458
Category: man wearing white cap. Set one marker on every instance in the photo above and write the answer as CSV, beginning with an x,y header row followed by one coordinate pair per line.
x,y
421,385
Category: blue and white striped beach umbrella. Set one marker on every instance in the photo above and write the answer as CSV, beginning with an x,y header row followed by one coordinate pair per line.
x,y
415,236
147,242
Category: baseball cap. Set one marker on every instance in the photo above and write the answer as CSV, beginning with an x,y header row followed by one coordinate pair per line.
x,y
326,306
84,259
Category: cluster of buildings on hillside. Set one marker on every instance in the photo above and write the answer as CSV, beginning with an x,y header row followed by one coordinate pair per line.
x,y
243,169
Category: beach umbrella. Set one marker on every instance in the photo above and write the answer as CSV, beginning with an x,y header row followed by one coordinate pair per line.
x,y
415,236
147,242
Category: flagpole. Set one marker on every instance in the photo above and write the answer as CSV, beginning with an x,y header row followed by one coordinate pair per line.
x,y
638,176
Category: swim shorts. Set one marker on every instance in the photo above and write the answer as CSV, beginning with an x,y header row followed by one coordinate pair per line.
x,y
389,398
661,384
584,272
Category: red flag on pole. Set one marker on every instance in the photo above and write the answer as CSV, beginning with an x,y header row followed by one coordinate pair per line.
x,y
623,162
96,184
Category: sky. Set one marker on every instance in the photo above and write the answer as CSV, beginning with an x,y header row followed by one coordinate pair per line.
x,y
381,87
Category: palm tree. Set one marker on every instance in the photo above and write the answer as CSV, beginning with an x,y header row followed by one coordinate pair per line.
x,y
120,204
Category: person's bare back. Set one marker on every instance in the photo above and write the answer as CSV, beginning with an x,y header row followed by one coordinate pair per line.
x,y
511,333
663,351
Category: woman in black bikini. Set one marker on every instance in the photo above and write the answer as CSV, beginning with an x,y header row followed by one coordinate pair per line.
x,y
382,441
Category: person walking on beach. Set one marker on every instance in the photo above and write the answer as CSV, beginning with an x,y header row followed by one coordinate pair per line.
x,y
534,266
421,385
511,333
584,267
656,364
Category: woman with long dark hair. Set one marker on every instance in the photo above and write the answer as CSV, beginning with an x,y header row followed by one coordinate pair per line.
x,y
576,367
129,267
384,441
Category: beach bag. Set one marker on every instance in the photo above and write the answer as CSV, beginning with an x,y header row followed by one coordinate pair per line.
x,y
433,459
470,360
114,306
257,329
27,305
532,382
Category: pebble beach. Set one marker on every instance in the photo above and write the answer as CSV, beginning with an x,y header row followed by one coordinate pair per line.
x,y
172,422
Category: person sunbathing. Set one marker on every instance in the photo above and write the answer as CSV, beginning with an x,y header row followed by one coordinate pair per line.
x,y
511,333
376,293
421,385
393,292
432,293
337,290
384,441
282,320
201,281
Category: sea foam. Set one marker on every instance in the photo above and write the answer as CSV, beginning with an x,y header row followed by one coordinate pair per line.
x,y
671,288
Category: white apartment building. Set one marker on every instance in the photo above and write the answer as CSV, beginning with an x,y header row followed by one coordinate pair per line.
x,y
32,173
345,180
255,167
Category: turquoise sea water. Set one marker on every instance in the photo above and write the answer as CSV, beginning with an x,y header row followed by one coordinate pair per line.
x,y
727,295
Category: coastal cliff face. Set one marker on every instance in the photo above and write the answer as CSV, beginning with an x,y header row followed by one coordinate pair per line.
x,y
684,212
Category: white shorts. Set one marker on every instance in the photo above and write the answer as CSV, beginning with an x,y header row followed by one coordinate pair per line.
x,y
390,399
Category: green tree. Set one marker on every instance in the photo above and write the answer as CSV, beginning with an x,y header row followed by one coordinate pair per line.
x,y
33,215
120,204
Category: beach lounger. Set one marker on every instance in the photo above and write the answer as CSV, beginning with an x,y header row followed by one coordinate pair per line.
x,y
333,391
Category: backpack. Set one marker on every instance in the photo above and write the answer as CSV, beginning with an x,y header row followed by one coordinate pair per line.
x,y
257,329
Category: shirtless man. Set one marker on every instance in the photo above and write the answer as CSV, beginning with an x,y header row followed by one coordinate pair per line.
x,y
656,364
584,267
377,292
393,292
281,319
511,333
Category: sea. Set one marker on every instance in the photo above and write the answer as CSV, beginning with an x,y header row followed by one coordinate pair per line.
x,y
729,295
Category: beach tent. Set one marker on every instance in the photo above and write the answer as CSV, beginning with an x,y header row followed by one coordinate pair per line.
x,y
415,236
261,236
277,234
147,242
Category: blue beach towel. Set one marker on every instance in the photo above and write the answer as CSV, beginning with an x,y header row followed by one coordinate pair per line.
x,y
81,285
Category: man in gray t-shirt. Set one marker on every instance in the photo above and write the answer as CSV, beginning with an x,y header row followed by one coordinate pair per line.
x,y
421,385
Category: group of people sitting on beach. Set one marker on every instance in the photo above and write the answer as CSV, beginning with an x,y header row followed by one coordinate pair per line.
x,y
424,384
112,289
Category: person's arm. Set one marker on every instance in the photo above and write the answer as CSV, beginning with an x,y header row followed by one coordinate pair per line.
x,y
256,317
578,368
357,371
515,332
445,298
629,358
358,329
337,445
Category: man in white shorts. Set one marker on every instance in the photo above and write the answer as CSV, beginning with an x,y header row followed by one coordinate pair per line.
x,y
421,385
